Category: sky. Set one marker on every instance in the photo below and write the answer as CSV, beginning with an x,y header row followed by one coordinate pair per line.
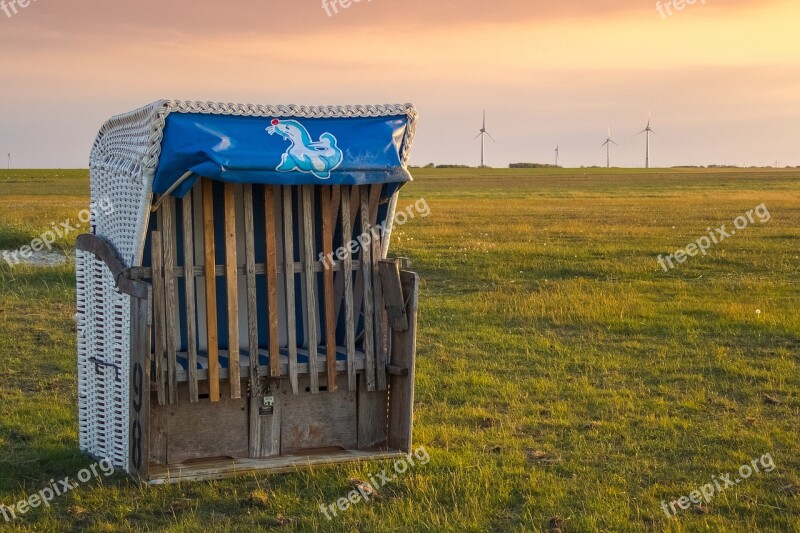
x,y
720,78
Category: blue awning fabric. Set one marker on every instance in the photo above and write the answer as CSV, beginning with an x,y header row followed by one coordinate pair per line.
x,y
280,151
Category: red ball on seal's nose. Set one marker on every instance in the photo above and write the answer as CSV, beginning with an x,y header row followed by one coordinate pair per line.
x,y
275,121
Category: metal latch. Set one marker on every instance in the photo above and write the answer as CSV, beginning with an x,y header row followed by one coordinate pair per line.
x,y
268,406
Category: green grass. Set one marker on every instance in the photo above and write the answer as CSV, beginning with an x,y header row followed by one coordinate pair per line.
x,y
562,375
32,201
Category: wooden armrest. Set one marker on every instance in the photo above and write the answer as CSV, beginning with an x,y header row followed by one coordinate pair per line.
x,y
103,250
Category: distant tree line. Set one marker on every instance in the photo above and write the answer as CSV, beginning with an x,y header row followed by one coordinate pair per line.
x,y
532,165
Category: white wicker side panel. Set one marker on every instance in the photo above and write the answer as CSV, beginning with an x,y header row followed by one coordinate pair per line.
x,y
120,180
103,362
85,316
122,212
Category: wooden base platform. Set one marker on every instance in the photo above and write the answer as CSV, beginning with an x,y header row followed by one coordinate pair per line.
x,y
224,468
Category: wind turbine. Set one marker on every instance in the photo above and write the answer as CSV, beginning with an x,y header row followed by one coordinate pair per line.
x,y
9,161
607,144
648,130
481,134
556,155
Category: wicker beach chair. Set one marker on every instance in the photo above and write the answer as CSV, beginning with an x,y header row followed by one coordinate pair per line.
x,y
236,308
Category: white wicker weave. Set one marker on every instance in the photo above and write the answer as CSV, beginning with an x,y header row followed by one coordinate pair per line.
x,y
103,366
122,165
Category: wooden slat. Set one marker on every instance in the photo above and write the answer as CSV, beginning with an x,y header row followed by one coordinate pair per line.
x,y
288,253
159,319
252,320
404,346
191,316
209,250
250,278
271,268
368,314
311,285
328,222
374,192
388,223
232,280
225,468
157,454
168,239
381,340
355,204
372,413
353,201
271,424
139,413
374,203
349,320
336,199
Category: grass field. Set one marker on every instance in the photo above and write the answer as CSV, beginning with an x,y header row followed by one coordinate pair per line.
x,y
565,381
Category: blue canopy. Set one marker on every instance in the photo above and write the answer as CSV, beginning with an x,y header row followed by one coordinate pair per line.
x,y
280,151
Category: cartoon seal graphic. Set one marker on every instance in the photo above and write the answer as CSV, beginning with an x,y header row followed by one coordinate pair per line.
x,y
319,158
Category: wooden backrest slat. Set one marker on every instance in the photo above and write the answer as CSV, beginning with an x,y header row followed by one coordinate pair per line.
x,y
232,281
271,193
288,256
250,278
191,325
168,239
159,320
209,248
366,276
328,222
336,200
347,281
310,286
381,334
252,320
354,201
374,192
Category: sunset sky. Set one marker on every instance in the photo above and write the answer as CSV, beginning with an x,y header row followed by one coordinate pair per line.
x,y
721,78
